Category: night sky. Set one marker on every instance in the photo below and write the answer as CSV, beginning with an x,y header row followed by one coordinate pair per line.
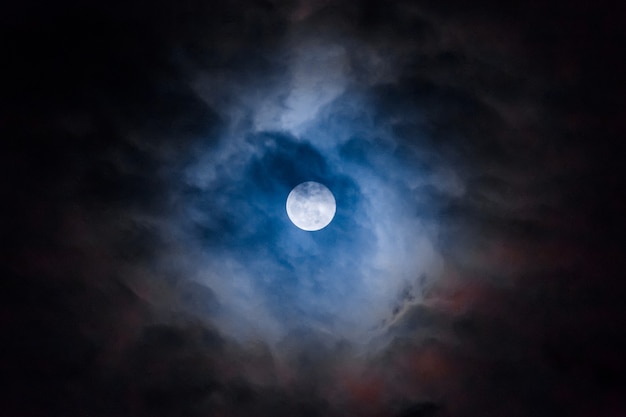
x,y
475,265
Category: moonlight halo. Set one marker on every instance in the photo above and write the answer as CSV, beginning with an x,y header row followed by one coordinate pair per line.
x,y
311,206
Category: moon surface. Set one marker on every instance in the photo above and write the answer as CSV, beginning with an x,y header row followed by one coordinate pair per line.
x,y
311,206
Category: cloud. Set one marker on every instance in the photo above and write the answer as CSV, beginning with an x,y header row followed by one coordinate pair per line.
x,y
473,264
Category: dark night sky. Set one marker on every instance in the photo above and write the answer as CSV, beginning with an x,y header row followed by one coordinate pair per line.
x,y
475,264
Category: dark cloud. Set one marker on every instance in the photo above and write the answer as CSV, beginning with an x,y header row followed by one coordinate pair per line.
x,y
474,264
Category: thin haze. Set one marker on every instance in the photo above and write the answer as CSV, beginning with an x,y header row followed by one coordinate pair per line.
x,y
320,124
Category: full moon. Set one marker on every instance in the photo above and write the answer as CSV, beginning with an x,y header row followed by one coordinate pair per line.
x,y
311,206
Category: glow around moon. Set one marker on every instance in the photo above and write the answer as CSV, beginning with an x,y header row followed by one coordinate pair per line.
x,y
311,206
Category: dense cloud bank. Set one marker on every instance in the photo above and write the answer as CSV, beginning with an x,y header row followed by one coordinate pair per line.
x,y
473,267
